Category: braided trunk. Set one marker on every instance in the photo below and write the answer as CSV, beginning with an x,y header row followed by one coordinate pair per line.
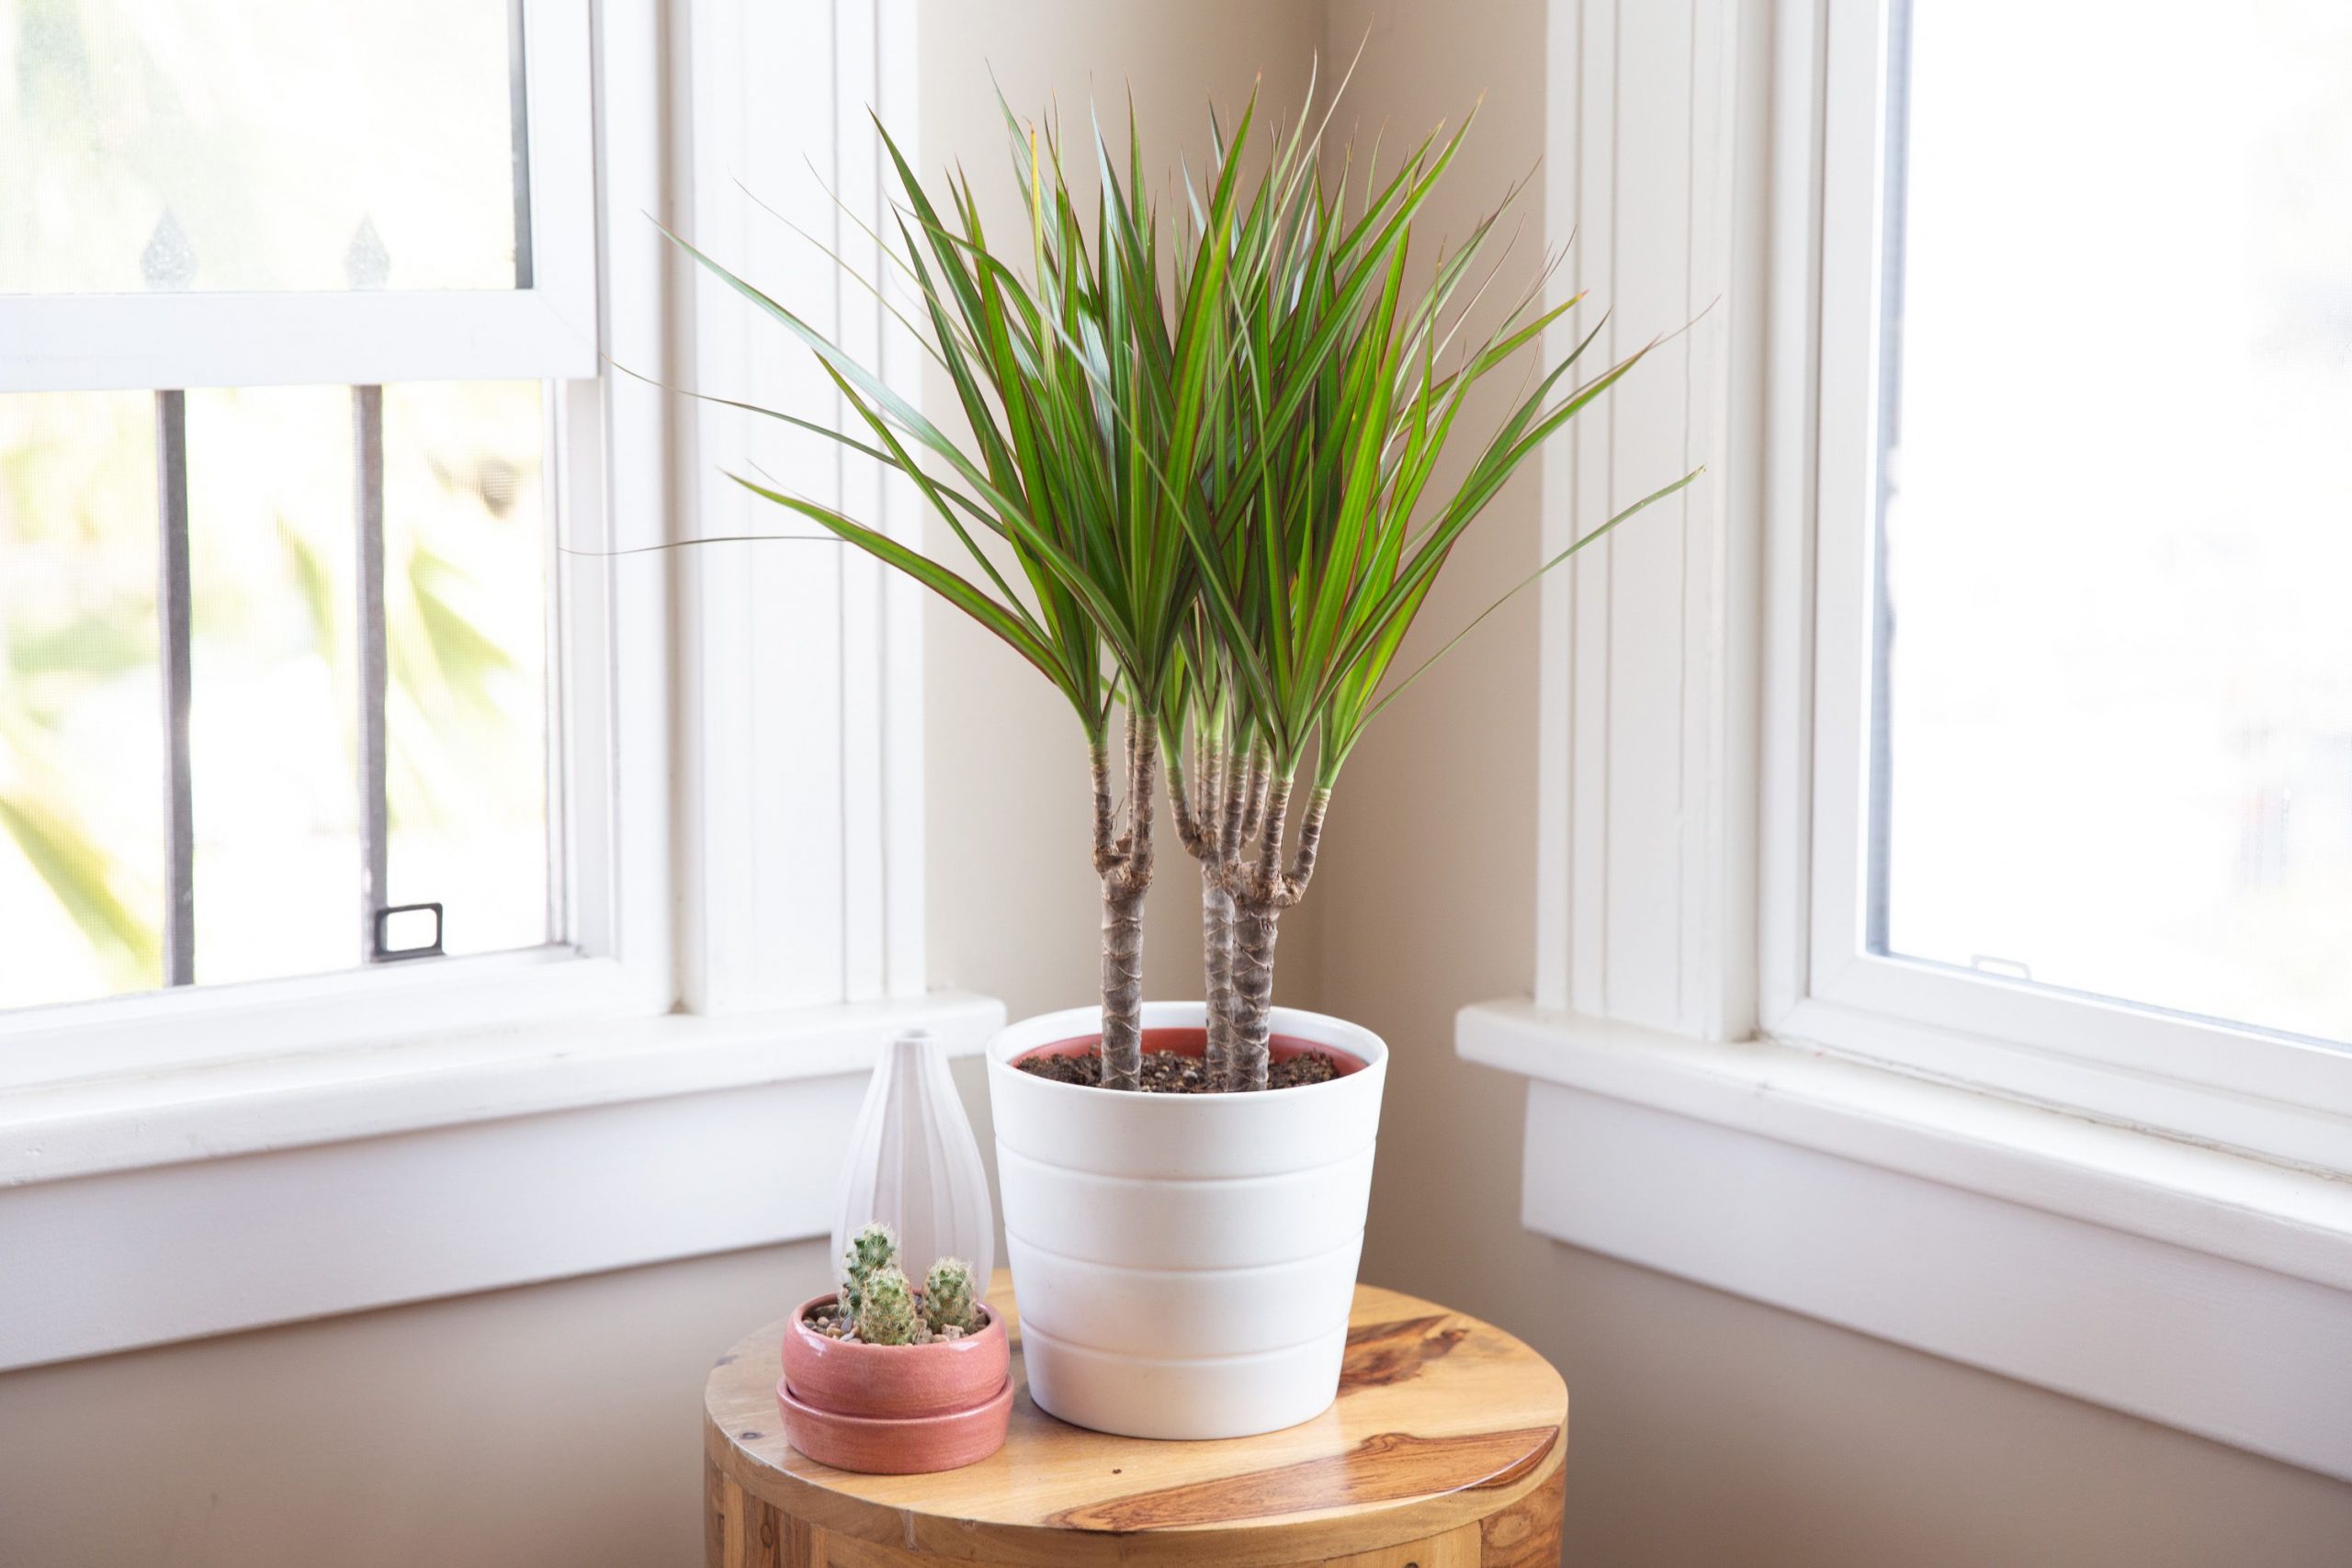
x,y
1255,927
1257,904
1262,896
1122,984
1217,964
1125,865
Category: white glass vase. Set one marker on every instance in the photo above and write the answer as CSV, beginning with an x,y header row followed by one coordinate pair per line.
x,y
915,1165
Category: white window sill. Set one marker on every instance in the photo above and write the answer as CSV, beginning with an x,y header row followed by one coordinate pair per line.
x,y
2200,1289
128,1121
142,1209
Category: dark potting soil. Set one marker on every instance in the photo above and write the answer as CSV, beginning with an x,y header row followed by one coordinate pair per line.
x,y
1172,1072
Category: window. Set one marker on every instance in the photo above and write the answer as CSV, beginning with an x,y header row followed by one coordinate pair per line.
x,y
2082,821
211,145
296,311
637,786
723,746
2116,668
2022,418
351,627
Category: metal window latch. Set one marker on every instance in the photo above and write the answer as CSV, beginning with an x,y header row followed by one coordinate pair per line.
x,y
386,953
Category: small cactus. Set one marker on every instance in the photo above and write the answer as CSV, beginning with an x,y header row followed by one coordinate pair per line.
x,y
871,1249
886,1309
947,1300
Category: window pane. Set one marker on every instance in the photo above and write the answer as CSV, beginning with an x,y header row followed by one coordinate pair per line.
x,y
2116,717
277,698
270,723
81,702
466,533
257,145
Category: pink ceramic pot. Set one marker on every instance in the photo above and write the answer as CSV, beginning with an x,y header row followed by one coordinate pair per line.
x,y
914,1445
893,1381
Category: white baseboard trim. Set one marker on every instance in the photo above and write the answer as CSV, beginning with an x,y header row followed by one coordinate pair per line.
x,y
1930,1229
523,1175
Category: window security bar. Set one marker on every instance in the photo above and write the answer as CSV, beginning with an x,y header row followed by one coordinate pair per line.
x,y
368,471
168,261
172,598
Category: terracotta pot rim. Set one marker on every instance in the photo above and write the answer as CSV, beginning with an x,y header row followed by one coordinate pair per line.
x,y
994,1326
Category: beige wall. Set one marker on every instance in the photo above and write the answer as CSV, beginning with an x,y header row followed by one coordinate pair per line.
x,y
553,1428
557,1425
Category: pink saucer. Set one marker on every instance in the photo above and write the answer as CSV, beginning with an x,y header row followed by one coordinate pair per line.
x,y
909,1445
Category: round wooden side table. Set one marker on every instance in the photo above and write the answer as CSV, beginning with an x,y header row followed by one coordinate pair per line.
x,y
1445,1451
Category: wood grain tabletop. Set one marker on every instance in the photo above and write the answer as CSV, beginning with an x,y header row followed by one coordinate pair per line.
x,y
1442,1422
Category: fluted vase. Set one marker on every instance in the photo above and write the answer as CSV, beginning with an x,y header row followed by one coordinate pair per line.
x,y
915,1165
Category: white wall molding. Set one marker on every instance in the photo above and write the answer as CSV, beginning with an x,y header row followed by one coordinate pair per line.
x,y
800,691
2230,1205
1647,706
2217,1299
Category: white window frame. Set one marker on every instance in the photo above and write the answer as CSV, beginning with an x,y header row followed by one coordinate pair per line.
x,y
742,788
614,955
2271,1094
2081,1195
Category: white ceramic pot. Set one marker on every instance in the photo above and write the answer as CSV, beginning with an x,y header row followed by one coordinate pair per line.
x,y
1184,1264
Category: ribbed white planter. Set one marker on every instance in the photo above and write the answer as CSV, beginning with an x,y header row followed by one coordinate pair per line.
x,y
1184,1264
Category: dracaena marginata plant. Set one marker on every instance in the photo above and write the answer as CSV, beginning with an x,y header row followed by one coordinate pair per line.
x,y
1329,528
1084,383
1211,466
